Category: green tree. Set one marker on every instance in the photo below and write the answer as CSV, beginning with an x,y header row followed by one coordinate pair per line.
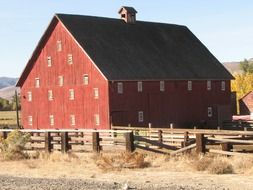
x,y
246,66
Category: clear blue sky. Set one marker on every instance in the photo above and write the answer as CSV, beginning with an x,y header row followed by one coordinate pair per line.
x,y
224,26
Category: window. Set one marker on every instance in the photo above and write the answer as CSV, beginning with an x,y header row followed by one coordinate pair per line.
x,y
208,85
71,94
70,59
29,96
120,87
60,80
162,87
51,120
96,94
30,120
49,61
209,112
223,85
189,85
85,79
72,120
59,46
97,120
50,95
140,116
37,82
139,86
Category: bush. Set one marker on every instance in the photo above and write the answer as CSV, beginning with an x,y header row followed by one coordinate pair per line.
x,y
13,147
220,166
120,161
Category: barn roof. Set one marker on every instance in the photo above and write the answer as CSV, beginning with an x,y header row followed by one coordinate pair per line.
x,y
140,51
144,50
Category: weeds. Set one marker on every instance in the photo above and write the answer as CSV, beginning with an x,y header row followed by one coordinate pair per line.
x,y
13,147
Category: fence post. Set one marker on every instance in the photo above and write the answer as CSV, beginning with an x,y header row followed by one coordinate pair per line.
x,y
226,146
200,143
48,144
95,142
160,137
64,142
129,137
186,139
3,134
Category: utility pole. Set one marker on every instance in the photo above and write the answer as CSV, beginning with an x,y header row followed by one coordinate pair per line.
x,y
16,97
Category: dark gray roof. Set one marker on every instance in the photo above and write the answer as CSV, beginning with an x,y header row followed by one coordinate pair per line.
x,y
144,50
129,9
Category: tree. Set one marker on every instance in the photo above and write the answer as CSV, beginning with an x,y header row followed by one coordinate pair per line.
x,y
246,66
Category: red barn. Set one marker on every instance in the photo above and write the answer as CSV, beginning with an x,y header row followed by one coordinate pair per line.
x,y
91,72
246,104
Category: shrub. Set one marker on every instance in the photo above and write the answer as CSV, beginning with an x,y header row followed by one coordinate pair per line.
x,y
220,165
120,161
12,148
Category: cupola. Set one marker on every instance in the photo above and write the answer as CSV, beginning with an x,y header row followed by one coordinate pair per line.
x,y
128,14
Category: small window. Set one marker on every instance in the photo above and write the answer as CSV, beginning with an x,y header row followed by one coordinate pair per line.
x,y
189,85
97,119
209,112
209,85
37,82
29,96
96,94
49,61
59,46
72,120
60,80
30,120
140,116
71,94
70,59
51,120
120,87
85,79
162,87
223,85
139,86
50,95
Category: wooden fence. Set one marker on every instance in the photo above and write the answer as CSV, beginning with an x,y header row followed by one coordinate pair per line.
x,y
77,140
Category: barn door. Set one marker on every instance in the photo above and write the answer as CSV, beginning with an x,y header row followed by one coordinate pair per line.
x,y
155,109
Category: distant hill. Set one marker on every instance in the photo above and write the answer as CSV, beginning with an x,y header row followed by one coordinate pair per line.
x,y
6,81
8,92
233,67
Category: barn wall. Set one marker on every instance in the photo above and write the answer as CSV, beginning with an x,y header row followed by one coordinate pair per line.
x,y
246,104
175,105
84,106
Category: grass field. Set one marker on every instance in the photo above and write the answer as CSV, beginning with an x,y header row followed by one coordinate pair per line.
x,y
8,118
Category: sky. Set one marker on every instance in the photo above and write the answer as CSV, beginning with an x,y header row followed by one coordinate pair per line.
x,y
224,26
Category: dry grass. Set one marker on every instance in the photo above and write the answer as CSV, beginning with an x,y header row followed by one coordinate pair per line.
x,y
108,162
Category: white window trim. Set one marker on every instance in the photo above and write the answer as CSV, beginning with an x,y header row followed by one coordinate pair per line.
x,y
51,120
208,85
139,86
37,82
72,120
85,79
71,94
162,86
50,95
209,111
49,61
96,119
140,116
29,96
96,93
59,45
120,87
30,120
70,59
189,85
223,86
60,80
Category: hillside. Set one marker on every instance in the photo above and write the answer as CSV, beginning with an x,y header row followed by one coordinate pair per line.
x,y
8,92
7,81
233,67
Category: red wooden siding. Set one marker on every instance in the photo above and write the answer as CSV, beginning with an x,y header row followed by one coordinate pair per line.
x,y
84,106
246,104
175,105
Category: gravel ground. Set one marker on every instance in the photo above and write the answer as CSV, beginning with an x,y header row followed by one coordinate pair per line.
x,y
20,183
